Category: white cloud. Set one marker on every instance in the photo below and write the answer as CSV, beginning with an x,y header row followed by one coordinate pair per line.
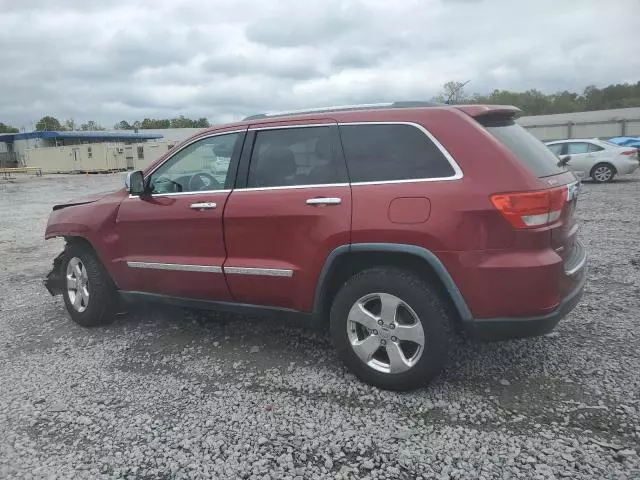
x,y
224,59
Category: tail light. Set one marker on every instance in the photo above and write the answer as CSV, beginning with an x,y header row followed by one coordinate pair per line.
x,y
532,209
629,152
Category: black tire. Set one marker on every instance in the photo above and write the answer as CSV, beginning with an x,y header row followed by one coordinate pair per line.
x,y
102,302
422,299
608,172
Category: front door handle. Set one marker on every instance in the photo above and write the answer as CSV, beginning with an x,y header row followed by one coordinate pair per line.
x,y
322,201
203,206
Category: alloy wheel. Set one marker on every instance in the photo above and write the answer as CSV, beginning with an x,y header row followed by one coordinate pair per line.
x,y
385,333
603,173
77,284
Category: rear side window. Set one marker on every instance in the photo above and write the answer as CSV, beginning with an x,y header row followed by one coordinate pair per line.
x,y
594,148
532,152
294,156
386,152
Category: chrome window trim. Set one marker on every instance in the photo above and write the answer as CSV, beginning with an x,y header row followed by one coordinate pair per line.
x,y
175,266
178,194
291,187
457,171
458,174
257,128
268,272
193,140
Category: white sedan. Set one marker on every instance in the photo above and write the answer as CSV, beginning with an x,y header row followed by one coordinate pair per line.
x,y
595,158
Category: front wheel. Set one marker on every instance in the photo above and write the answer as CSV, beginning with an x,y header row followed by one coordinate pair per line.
x,y
88,291
603,173
391,329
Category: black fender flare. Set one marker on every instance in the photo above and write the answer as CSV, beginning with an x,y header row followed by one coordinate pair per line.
x,y
427,255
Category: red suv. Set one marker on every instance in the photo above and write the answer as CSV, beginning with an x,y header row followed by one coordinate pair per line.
x,y
399,223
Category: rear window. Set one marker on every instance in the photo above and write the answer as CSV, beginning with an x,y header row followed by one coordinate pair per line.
x,y
531,151
388,152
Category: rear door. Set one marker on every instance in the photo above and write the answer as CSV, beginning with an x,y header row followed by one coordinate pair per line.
x,y
171,240
291,208
582,157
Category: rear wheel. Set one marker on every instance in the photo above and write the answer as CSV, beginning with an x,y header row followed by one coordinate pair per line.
x,y
88,291
390,328
603,173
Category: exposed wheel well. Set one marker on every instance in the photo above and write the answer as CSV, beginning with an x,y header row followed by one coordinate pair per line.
x,y
79,241
348,264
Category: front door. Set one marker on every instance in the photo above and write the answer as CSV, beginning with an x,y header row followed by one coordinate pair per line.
x,y
293,209
172,240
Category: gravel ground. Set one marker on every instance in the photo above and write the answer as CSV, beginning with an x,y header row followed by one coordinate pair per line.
x,y
170,393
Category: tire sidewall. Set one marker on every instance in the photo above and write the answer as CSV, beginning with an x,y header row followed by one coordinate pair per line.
x,y
98,311
610,167
415,293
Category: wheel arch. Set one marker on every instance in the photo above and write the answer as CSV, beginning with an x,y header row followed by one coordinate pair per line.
x,y
346,260
608,164
82,240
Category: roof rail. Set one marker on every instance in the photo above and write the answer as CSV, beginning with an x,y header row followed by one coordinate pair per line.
x,y
346,108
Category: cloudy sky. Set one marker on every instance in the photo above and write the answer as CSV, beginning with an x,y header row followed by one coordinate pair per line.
x,y
109,60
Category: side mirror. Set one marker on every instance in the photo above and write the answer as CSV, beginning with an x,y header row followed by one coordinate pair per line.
x,y
135,183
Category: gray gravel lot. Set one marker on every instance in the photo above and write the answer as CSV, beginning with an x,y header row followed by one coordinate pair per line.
x,y
170,393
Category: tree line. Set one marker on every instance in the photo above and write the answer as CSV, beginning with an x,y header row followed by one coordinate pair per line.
x,y
531,102
534,102
50,123
149,123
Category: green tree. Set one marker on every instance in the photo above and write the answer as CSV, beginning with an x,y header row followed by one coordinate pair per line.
x,y
156,123
69,124
181,122
453,93
48,123
91,125
202,123
123,125
4,128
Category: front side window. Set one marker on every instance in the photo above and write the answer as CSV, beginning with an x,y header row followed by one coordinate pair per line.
x,y
294,156
200,166
577,148
384,152
556,148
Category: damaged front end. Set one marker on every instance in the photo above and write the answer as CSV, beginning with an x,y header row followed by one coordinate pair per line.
x,y
54,282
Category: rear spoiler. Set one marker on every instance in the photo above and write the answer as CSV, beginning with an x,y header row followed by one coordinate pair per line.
x,y
491,114
504,111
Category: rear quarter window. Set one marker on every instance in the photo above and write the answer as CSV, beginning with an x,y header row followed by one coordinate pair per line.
x,y
387,152
534,154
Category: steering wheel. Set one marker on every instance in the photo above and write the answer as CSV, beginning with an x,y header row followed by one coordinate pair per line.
x,y
203,181
164,184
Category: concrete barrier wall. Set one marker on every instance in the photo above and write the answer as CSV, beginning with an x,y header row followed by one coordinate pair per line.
x,y
620,122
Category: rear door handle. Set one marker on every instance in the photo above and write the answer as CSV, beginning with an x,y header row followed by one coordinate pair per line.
x,y
203,206
322,201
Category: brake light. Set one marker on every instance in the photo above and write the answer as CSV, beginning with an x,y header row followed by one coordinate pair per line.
x,y
630,152
532,209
